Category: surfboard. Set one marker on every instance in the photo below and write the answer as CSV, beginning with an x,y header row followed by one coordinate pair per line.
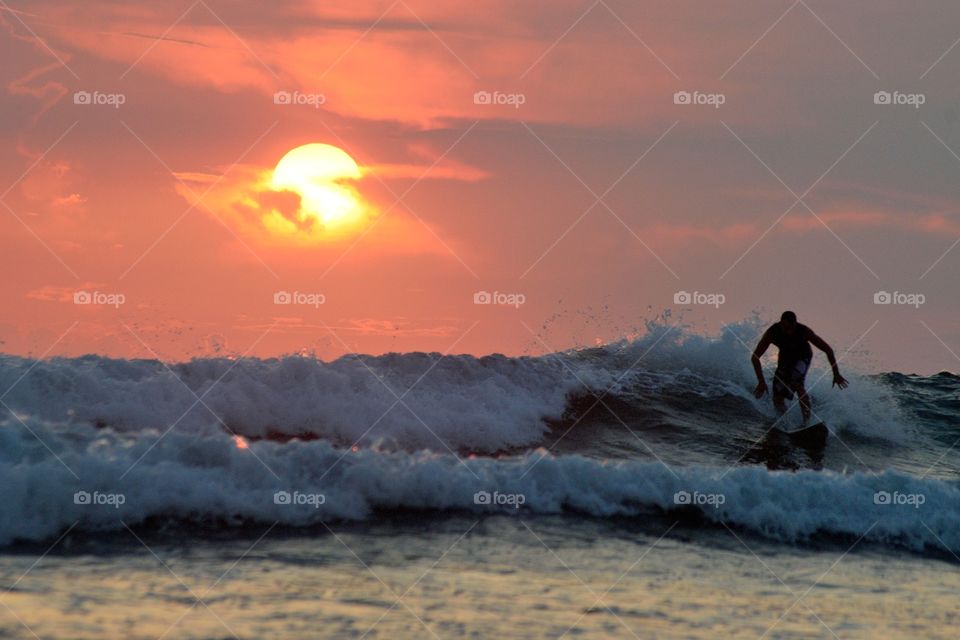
x,y
814,435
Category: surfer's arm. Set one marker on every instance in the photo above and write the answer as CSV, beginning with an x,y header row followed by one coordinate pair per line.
x,y
821,344
757,368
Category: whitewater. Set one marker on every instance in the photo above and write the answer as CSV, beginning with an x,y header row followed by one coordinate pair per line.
x,y
410,494
617,430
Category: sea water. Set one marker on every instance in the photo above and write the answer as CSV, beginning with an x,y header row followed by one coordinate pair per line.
x,y
632,490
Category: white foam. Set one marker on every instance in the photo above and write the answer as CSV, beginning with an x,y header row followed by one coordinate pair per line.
x,y
450,403
209,478
418,400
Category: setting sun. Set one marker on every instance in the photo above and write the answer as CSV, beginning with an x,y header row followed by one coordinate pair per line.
x,y
318,173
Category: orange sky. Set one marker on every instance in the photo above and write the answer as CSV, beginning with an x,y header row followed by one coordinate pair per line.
x,y
587,191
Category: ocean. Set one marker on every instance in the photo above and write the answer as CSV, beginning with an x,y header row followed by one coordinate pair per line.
x,y
630,490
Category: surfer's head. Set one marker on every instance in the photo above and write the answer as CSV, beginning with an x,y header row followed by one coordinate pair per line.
x,y
788,321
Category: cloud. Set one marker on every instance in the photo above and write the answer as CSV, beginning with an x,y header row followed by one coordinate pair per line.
x,y
802,222
933,223
399,327
34,83
684,233
56,293
243,198
449,170
285,203
73,201
418,67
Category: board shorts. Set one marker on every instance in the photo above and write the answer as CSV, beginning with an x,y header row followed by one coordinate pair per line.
x,y
784,378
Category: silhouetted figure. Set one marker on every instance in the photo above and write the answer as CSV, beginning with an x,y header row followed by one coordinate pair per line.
x,y
794,340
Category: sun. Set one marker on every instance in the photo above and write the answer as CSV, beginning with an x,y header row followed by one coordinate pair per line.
x,y
320,174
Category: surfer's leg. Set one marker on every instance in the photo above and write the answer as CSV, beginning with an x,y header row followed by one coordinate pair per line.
x,y
799,375
804,401
781,392
778,402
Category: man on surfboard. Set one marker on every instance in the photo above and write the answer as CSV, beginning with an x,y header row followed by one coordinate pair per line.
x,y
794,340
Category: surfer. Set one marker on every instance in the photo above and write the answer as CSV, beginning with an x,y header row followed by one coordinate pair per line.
x,y
794,340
